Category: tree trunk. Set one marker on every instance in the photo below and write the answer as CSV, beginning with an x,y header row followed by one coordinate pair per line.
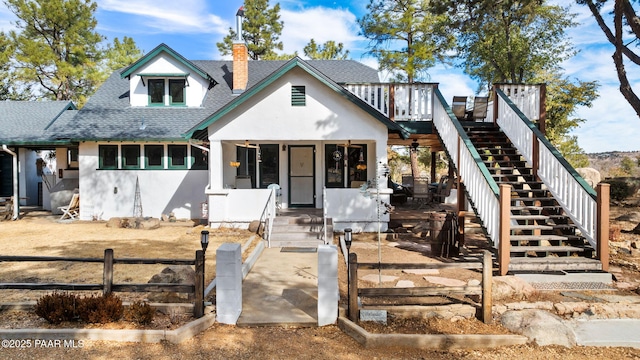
x,y
415,171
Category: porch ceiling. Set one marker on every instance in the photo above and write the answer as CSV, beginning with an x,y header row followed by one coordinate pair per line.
x,y
430,140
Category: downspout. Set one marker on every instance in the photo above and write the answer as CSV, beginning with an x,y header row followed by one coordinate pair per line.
x,y
16,197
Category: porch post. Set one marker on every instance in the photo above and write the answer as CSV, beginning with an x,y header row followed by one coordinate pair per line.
x,y
433,166
495,103
216,165
542,122
504,248
602,225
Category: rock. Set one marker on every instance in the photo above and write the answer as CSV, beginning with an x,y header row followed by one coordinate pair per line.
x,y
374,278
421,271
149,223
114,222
255,226
444,281
173,274
631,217
591,175
474,282
540,326
405,284
506,287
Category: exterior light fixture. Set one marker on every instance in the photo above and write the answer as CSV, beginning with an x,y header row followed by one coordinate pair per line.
x,y
414,145
204,240
234,164
348,239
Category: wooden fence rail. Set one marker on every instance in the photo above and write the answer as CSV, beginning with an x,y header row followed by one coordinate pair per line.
x,y
484,289
107,286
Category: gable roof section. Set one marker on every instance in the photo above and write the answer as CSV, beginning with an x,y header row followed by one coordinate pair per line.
x,y
278,73
30,122
127,72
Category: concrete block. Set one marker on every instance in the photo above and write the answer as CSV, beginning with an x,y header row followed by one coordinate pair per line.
x,y
379,316
328,293
229,283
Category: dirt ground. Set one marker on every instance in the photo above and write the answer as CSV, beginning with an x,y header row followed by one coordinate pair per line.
x,y
39,234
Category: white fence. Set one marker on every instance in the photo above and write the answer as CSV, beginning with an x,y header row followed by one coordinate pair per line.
x,y
481,187
575,196
397,101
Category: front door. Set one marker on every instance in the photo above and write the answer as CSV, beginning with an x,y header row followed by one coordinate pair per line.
x,y
302,190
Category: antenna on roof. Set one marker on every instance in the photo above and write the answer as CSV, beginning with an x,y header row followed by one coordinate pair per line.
x,y
239,16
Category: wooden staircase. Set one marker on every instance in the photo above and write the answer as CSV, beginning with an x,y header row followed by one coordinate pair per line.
x,y
543,237
299,230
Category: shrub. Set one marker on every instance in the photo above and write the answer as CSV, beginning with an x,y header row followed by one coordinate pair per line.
x,y
141,312
619,189
100,309
57,307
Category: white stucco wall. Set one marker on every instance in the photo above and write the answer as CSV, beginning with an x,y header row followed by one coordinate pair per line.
x,y
269,118
164,64
111,193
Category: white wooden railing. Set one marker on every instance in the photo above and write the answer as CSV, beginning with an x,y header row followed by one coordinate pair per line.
x,y
526,97
397,101
482,189
575,196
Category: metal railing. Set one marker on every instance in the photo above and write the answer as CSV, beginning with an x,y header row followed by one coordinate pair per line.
x,y
267,216
571,191
481,187
397,101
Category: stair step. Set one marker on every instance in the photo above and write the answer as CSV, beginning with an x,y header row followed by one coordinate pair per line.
x,y
555,249
537,237
529,217
554,264
532,227
531,199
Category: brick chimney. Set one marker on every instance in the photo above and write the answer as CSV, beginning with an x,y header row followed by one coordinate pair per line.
x,y
240,57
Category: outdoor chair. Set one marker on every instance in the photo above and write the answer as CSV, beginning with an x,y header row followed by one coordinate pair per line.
x,y
443,188
72,210
459,107
480,104
421,192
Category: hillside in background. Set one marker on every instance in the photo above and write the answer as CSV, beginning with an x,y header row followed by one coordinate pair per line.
x,y
616,163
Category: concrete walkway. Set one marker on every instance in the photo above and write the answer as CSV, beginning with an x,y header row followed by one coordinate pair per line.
x,y
281,289
607,332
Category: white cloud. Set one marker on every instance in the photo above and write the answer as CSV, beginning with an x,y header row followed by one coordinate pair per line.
x,y
321,24
6,17
191,16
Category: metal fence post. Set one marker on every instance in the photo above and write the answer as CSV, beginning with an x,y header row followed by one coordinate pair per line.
x,y
107,277
198,306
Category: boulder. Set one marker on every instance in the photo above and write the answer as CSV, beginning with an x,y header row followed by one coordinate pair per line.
x,y
173,274
255,226
631,217
591,175
540,326
508,287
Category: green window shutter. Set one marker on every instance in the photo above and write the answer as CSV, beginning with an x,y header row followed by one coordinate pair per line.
x,y
298,95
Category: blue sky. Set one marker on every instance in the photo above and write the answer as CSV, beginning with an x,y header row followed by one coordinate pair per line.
x,y
195,26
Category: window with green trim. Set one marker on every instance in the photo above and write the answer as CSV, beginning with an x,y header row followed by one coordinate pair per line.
x,y
130,156
176,92
154,157
298,95
156,91
108,156
177,156
199,159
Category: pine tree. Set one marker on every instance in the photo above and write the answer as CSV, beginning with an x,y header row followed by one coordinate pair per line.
x,y
327,51
121,54
261,30
57,48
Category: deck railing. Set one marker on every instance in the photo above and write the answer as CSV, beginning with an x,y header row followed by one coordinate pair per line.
x,y
268,214
571,191
528,98
399,102
482,189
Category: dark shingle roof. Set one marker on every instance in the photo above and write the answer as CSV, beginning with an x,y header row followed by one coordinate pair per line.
x,y
30,122
108,115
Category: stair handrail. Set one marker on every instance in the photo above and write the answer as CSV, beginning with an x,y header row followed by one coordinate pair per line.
x,y
324,215
267,216
572,192
482,189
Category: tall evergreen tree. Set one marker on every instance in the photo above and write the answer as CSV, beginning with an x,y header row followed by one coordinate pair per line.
x,y
327,51
9,88
261,30
56,47
406,37
121,54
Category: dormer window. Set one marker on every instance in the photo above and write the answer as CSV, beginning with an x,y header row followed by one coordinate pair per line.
x,y
167,91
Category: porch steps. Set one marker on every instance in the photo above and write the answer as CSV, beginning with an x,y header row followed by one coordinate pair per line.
x,y
300,230
543,237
